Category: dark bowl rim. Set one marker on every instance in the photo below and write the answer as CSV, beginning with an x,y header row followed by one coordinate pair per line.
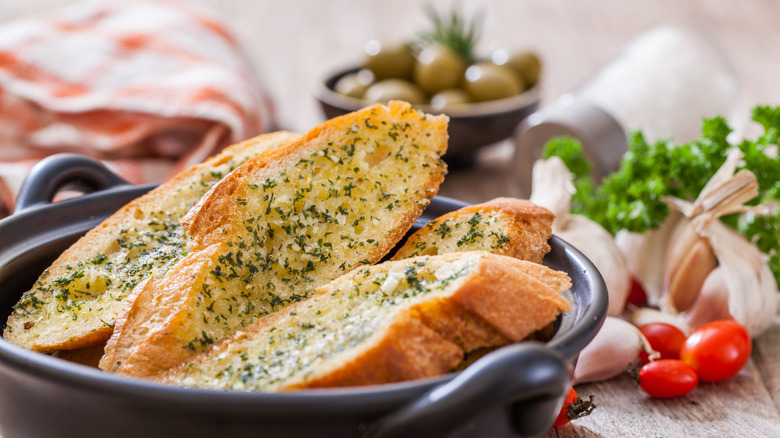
x,y
325,94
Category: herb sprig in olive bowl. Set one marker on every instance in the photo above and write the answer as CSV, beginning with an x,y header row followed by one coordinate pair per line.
x,y
439,72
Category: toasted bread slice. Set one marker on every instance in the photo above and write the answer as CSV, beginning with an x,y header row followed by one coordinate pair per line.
x,y
74,302
394,321
281,225
507,226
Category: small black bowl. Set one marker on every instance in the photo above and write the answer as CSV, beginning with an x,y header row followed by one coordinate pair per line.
x,y
516,390
471,126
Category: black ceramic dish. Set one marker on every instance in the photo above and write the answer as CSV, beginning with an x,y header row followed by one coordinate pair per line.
x,y
470,128
514,391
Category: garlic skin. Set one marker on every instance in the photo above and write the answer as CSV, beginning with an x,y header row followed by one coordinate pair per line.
x,y
615,346
552,188
645,255
752,289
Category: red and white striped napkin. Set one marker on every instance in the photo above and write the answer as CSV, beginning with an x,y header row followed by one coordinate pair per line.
x,y
148,87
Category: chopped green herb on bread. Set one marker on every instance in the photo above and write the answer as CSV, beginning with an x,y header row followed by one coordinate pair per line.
x,y
507,226
74,302
384,323
281,225
259,270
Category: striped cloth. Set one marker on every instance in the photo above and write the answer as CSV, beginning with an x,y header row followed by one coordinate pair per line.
x,y
146,87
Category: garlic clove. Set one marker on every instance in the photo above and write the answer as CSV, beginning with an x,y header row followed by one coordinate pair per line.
x,y
689,274
614,347
713,301
681,240
599,247
552,187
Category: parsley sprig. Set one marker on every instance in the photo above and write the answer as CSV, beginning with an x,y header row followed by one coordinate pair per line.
x,y
630,198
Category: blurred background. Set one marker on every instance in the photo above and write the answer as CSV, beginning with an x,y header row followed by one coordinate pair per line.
x,y
294,44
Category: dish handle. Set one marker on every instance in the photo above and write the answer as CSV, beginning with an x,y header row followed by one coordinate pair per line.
x,y
528,379
60,171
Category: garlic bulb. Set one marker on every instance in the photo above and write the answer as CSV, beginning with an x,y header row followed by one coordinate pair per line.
x,y
689,261
701,238
751,285
614,347
552,189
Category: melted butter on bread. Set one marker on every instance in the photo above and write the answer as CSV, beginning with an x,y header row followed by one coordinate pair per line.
x,y
385,323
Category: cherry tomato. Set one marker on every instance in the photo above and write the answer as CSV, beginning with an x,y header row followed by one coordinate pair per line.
x,y
563,416
664,338
666,378
717,350
637,295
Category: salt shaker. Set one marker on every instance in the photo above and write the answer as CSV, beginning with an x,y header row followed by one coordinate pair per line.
x,y
664,82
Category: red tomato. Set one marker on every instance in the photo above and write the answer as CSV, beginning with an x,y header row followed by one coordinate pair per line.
x,y
666,378
664,338
717,350
563,416
637,295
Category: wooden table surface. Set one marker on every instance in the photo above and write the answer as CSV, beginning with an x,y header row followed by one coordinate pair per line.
x,y
294,43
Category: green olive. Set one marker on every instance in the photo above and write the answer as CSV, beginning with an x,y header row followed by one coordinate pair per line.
x,y
487,81
354,84
438,68
525,63
394,89
449,98
387,61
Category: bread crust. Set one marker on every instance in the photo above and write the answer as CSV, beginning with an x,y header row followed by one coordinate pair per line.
x,y
151,313
58,314
408,350
502,303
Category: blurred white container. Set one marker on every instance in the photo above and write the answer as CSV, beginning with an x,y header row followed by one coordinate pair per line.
x,y
664,82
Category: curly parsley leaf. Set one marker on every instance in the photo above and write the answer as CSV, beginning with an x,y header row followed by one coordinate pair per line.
x,y
630,198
